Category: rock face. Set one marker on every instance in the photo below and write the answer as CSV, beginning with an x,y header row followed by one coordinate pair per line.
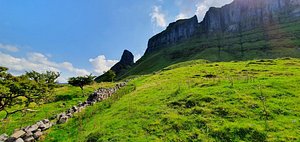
x,y
240,15
248,14
175,32
127,60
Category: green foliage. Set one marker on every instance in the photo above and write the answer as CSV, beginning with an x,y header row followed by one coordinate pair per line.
x,y
255,100
64,97
20,91
81,81
108,76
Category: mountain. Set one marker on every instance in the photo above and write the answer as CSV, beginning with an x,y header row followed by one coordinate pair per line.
x,y
126,62
240,15
241,30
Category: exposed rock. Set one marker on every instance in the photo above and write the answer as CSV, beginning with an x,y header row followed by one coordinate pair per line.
x,y
29,139
28,134
175,32
11,139
41,125
70,115
34,132
74,108
47,126
18,134
37,134
3,137
240,15
62,119
248,14
19,140
31,128
127,60
45,121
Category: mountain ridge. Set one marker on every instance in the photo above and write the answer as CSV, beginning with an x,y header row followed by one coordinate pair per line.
x,y
240,15
241,30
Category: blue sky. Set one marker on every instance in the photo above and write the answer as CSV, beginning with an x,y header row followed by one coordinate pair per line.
x,y
78,37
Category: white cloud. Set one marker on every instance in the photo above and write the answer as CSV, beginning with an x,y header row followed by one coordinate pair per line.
x,y
181,16
69,67
158,17
40,63
137,57
101,64
203,6
187,9
11,48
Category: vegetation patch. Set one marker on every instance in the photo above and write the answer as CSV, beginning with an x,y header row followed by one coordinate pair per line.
x,y
173,106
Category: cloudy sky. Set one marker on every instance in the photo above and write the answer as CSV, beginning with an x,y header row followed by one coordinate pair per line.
x,y
77,37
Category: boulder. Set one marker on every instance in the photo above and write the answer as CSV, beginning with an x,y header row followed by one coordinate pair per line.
x,y
74,108
37,134
29,139
31,128
3,137
41,125
46,121
19,140
18,134
70,111
70,115
28,134
63,119
47,126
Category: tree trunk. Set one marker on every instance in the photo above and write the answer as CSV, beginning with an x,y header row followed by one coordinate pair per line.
x,y
81,87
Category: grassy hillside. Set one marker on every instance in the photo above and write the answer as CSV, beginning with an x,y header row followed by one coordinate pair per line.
x,y
280,40
63,98
255,100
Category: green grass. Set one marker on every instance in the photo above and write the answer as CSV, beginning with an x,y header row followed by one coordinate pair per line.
x,y
256,100
63,98
281,40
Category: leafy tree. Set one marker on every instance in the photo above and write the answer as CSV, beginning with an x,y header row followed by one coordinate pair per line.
x,y
18,92
81,81
108,76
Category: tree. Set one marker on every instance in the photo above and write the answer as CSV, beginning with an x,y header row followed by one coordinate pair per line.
x,y
81,81
18,92
108,76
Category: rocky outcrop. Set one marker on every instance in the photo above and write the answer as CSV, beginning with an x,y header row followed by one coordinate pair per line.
x,y
175,32
240,15
127,60
243,15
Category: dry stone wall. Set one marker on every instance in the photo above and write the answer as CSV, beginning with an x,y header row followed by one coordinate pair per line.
x,y
34,132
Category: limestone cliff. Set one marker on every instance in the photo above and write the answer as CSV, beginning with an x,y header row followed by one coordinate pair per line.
x,y
240,15
248,14
175,32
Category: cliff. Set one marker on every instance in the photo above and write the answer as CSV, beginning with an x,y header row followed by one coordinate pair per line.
x,y
243,15
240,15
127,60
175,32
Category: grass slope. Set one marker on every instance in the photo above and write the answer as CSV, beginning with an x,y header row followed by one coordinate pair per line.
x,y
66,94
274,41
254,100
